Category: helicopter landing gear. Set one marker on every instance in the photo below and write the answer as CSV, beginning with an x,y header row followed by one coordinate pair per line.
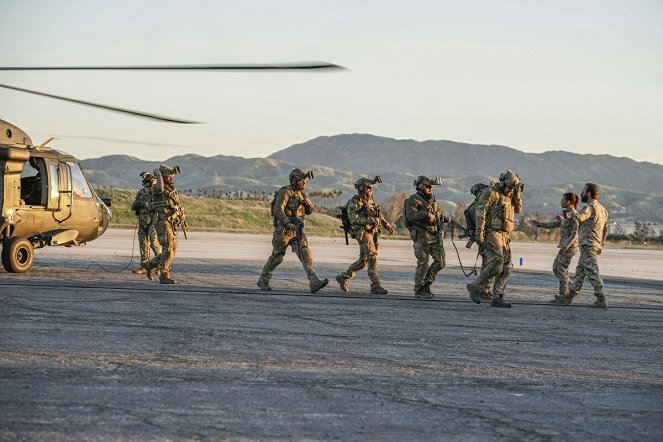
x,y
18,254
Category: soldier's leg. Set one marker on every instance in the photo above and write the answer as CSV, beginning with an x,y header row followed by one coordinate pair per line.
x,y
168,253
153,264
373,266
561,269
143,245
439,261
485,289
422,253
504,243
279,247
494,265
594,277
344,277
154,240
576,283
306,258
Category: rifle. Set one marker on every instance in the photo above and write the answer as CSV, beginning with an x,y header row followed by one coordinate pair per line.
x,y
345,223
465,232
299,231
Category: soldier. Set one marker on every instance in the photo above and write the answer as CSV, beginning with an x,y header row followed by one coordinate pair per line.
x,y
592,231
366,221
471,219
423,218
495,221
147,234
169,214
290,206
568,239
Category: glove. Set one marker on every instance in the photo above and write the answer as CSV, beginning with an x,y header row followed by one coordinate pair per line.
x,y
290,227
307,203
390,229
479,237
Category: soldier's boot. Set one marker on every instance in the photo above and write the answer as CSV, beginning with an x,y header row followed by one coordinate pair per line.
x,y
140,270
498,301
165,278
564,300
150,273
475,292
317,284
342,282
426,288
421,293
599,303
377,289
264,284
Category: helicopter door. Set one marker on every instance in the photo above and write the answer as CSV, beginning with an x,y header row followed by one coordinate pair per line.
x,y
33,186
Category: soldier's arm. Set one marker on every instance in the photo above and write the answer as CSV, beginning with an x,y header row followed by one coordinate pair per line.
x,y
548,224
308,204
159,186
585,213
282,197
412,213
605,233
517,201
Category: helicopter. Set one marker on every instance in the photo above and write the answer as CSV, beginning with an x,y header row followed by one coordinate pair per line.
x,y
45,199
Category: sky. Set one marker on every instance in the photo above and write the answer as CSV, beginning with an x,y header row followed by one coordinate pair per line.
x,y
580,76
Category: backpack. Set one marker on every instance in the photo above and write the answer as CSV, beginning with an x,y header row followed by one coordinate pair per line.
x,y
345,223
273,204
470,217
408,225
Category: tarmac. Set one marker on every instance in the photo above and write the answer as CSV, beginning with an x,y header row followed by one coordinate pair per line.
x,y
91,351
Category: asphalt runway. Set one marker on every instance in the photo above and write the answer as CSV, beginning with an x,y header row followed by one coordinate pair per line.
x,y
90,351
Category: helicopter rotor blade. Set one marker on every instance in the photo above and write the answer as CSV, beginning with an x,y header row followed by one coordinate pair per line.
x,y
103,106
198,67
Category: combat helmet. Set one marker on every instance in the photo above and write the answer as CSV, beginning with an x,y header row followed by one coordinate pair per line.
x,y
478,188
168,171
510,179
148,178
361,182
299,174
423,181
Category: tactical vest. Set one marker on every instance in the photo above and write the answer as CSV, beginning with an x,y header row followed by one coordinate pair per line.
x,y
167,204
293,207
421,204
366,209
500,216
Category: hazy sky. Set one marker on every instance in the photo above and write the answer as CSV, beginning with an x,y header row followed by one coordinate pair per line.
x,y
581,76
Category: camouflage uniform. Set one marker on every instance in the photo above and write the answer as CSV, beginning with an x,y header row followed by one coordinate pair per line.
x,y
495,222
366,221
147,234
592,231
471,218
427,240
168,212
290,208
568,246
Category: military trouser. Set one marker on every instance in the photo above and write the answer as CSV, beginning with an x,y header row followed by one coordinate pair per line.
x,y
280,241
484,259
147,238
497,250
588,267
427,245
561,269
168,241
368,255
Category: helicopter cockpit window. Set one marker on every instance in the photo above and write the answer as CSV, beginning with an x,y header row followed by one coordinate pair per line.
x,y
79,183
33,186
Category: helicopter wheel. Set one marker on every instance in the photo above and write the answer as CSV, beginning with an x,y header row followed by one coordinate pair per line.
x,y
17,255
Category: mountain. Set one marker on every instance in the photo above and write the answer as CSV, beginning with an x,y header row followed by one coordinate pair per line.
x,y
338,162
378,155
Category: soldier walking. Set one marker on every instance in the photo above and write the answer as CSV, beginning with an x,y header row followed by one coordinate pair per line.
x,y
568,239
147,234
169,214
423,218
366,222
495,222
592,231
290,207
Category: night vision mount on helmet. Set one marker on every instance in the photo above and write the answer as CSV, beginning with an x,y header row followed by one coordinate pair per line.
x,y
299,174
361,182
424,181
45,200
